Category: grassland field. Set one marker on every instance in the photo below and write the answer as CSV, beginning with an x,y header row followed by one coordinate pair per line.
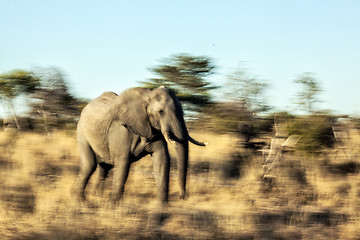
x,y
307,197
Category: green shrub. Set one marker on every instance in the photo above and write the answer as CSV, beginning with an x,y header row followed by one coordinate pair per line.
x,y
315,131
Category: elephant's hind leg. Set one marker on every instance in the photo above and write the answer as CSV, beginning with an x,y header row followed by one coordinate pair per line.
x,y
103,173
87,167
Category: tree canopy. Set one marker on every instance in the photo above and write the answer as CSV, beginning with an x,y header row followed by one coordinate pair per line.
x,y
14,84
246,89
186,76
308,91
53,99
17,82
48,95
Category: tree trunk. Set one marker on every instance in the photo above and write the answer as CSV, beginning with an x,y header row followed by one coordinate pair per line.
x,y
14,115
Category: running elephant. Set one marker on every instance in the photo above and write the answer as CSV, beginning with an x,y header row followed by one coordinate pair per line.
x,y
117,130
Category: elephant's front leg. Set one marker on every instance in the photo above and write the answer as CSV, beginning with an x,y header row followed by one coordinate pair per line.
x,y
119,146
121,172
161,162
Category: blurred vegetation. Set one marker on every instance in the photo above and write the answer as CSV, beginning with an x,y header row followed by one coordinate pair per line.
x,y
246,89
53,101
235,118
355,122
244,110
50,103
16,83
315,131
309,88
186,76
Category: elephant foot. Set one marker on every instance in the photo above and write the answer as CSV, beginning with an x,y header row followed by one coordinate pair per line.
x,y
182,194
79,195
91,204
115,199
98,190
156,219
112,205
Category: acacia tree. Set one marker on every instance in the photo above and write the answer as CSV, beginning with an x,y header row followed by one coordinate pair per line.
x,y
16,83
246,90
53,99
308,91
186,76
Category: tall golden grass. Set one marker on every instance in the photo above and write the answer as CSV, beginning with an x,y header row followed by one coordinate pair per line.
x,y
306,198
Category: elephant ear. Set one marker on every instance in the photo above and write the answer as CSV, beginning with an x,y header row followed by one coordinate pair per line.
x,y
130,110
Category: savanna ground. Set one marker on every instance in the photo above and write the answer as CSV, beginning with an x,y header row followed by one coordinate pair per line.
x,y
306,197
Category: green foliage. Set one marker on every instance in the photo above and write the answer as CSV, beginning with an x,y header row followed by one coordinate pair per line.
x,y
186,76
315,131
53,101
52,105
54,95
241,87
14,84
232,117
309,89
17,82
225,117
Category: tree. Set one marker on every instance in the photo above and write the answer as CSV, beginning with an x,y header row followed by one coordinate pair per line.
x,y
186,76
53,100
246,89
16,83
308,90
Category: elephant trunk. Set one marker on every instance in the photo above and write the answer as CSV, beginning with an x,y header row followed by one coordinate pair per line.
x,y
176,135
182,153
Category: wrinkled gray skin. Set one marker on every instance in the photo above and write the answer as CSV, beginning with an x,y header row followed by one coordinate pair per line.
x,y
117,130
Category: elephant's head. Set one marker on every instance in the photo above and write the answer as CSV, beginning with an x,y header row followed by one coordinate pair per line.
x,y
166,115
160,110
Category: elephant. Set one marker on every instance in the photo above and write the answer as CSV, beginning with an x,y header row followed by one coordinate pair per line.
x,y
116,130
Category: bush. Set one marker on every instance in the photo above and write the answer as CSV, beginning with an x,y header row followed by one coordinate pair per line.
x,y
315,131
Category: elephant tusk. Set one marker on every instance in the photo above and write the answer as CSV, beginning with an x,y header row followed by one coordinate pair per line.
x,y
168,139
196,142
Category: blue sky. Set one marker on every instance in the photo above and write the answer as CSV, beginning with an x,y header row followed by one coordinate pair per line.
x,y
109,45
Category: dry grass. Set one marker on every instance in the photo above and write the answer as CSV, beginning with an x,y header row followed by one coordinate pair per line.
x,y
227,198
